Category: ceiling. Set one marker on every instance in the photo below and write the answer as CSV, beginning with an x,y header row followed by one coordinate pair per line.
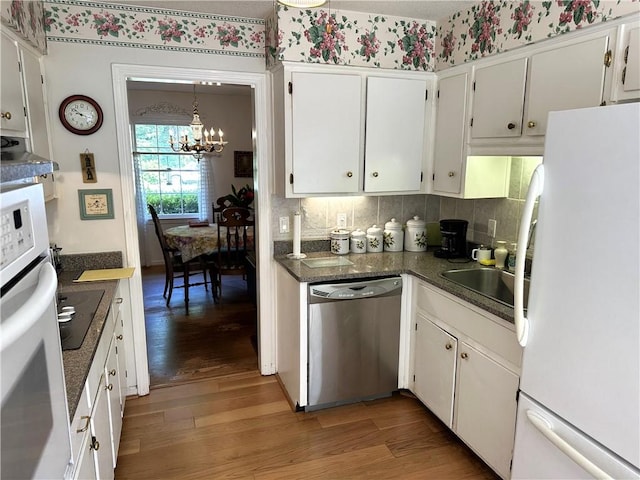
x,y
418,9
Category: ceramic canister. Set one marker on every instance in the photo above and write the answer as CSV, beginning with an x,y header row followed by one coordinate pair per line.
x,y
374,239
393,236
340,242
358,241
415,235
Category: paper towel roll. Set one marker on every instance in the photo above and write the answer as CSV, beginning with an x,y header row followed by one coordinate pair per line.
x,y
296,234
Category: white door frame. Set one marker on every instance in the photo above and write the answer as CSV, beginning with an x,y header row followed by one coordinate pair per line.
x,y
260,82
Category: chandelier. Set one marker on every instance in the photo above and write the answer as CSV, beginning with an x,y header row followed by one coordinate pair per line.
x,y
200,145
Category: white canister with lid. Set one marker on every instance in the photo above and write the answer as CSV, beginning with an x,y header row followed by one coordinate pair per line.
x,y
393,236
415,235
358,241
340,242
374,239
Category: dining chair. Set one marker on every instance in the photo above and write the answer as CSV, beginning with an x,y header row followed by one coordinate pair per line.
x,y
218,206
236,233
174,267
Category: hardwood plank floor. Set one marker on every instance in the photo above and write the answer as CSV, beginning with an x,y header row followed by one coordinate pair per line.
x,y
211,415
241,426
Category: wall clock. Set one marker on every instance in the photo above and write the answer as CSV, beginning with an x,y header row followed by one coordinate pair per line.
x,y
80,114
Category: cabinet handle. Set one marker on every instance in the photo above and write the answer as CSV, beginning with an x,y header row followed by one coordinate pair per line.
x,y
109,387
624,74
112,372
448,346
6,115
608,57
119,337
531,124
349,174
451,174
626,54
511,126
87,419
95,444
464,355
119,300
375,174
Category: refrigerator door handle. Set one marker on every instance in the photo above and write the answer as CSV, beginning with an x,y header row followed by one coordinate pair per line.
x,y
545,427
535,189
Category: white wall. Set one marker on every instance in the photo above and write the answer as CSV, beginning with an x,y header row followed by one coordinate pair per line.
x,y
86,69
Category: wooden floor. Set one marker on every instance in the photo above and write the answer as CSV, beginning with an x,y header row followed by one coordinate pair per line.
x,y
216,423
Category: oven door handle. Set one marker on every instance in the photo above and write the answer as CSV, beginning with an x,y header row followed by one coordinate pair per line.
x,y
31,311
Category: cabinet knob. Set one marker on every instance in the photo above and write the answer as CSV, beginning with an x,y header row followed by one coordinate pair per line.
x,y
87,419
349,174
448,346
451,174
119,300
531,124
511,126
95,444
375,174
6,115
464,355
119,337
608,57
109,387
112,372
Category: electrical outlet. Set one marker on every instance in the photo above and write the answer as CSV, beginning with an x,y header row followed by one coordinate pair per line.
x,y
342,220
284,224
491,229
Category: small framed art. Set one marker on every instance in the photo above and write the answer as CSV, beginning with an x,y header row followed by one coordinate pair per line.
x,y
242,164
96,204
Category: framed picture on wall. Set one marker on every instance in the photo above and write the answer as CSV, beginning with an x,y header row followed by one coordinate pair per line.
x,y
242,164
96,204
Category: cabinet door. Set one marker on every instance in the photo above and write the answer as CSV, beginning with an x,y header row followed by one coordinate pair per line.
x,y
485,414
498,100
113,398
11,102
394,140
326,132
36,113
434,368
631,70
122,361
449,141
85,468
563,79
101,429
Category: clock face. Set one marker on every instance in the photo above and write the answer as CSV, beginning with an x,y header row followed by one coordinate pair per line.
x,y
80,115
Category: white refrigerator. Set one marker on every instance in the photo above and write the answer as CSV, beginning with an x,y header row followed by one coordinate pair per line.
x,y
579,403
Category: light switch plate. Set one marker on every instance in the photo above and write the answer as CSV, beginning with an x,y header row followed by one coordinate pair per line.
x,y
284,224
342,220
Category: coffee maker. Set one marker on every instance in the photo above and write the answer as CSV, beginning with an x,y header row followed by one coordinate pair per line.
x,y
454,239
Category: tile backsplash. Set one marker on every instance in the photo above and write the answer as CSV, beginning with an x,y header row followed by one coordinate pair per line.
x,y
319,214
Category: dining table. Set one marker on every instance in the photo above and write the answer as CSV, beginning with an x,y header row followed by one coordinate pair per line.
x,y
193,241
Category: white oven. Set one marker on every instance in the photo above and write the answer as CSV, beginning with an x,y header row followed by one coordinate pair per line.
x,y
34,440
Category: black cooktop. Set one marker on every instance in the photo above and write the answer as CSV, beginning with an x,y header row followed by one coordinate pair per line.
x,y
86,303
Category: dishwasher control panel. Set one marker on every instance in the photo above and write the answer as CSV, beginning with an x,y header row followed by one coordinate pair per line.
x,y
358,289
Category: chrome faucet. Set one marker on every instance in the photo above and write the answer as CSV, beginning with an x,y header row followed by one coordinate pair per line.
x,y
532,230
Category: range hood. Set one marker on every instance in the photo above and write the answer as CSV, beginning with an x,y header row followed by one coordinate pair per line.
x,y
16,163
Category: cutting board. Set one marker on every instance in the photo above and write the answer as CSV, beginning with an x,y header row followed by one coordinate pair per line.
x,y
105,274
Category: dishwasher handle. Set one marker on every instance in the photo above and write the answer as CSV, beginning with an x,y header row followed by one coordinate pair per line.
x,y
355,290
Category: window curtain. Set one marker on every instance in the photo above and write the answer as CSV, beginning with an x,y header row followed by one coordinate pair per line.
x,y
142,212
206,190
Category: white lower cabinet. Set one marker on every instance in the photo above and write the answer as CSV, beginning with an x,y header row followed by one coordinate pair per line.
x,y
97,422
466,367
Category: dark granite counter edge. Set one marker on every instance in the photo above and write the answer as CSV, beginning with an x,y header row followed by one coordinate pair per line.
x,y
77,363
423,265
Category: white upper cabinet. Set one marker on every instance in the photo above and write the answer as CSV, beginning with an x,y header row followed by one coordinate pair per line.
x,y
395,132
626,81
348,131
34,92
498,99
325,132
451,114
13,121
565,78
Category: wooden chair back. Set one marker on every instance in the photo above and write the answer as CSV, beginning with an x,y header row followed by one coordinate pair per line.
x,y
218,206
235,233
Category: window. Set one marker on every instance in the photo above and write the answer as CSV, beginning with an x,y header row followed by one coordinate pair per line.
x,y
169,181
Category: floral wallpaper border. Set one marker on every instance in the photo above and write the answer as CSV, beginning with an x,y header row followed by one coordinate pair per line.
x,y
25,18
495,26
349,38
96,23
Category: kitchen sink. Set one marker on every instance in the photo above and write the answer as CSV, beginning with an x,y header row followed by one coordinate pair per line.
x,y
491,282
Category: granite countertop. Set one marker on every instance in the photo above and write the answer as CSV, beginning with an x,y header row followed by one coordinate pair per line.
x,y
78,362
423,265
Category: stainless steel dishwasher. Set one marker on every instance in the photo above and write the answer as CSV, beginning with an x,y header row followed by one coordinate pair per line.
x,y
354,341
